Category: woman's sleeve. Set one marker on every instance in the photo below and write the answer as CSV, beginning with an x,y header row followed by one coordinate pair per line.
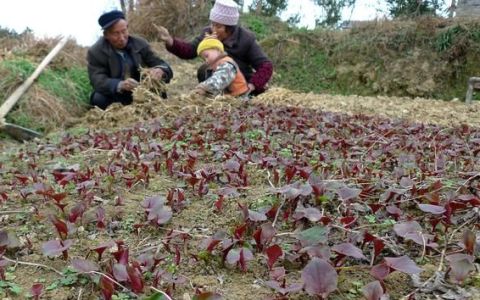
x,y
262,65
184,49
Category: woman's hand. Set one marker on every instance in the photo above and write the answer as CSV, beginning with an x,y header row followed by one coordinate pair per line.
x,y
164,35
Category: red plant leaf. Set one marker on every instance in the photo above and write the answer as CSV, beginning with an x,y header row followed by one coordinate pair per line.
x,y
102,247
346,193
273,253
380,271
135,279
55,247
164,215
100,214
406,182
403,264
83,265
313,236
263,235
348,221
320,251
232,166
8,240
219,203
245,256
36,290
277,273
256,216
240,231
402,229
60,225
59,197
311,213
348,249
461,265
122,254
120,272
233,256
469,241
290,172
373,291
76,212
394,211
4,196
178,256
433,209
107,287
207,296
319,277
378,246
283,290
240,256
375,206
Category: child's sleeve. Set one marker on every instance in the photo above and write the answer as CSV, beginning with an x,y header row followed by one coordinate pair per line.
x,y
220,79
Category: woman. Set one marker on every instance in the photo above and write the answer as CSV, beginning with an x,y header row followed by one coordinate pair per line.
x,y
239,43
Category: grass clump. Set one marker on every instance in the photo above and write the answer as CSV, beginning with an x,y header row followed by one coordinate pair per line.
x,y
57,95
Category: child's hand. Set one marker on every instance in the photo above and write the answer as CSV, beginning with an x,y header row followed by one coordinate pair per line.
x,y
199,91
212,35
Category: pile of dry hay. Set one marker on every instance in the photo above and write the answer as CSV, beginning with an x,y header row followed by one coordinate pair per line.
x,y
148,104
192,13
421,110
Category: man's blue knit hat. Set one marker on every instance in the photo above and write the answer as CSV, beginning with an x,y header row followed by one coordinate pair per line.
x,y
109,18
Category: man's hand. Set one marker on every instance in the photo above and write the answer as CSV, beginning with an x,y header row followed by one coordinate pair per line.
x,y
128,85
156,73
164,35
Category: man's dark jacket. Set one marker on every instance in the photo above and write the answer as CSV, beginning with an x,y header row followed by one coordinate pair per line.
x,y
105,65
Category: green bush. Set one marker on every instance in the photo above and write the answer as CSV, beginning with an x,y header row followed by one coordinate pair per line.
x,y
263,26
428,57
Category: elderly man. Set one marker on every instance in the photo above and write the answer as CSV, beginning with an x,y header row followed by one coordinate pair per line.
x,y
114,62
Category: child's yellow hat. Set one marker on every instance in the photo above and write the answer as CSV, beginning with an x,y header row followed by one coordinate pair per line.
x,y
209,43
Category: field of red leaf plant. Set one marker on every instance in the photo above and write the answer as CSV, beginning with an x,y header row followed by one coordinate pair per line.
x,y
254,201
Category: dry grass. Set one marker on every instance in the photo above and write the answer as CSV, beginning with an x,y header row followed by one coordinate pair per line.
x,y
421,110
43,108
71,54
181,17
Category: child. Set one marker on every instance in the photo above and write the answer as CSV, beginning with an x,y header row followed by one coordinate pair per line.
x,y
226,78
